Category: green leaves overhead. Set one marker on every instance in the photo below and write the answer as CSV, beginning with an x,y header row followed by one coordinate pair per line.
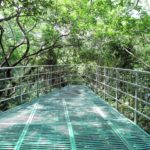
x,y
81,28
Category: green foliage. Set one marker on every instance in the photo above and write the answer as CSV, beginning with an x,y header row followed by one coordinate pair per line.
x,y
100,31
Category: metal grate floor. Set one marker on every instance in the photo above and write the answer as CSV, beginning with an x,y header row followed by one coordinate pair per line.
x,y
71,118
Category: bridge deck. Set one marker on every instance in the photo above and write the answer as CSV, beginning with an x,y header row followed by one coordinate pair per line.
x,y
71,118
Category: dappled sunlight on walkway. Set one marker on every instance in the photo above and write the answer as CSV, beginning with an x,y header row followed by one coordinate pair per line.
x,y
73,117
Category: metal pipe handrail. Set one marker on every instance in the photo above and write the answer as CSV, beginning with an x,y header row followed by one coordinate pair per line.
x,y
104,80
148,103
123,69
34,66
144,87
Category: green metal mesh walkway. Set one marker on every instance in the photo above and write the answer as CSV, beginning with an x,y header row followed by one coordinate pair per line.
x,y
70,118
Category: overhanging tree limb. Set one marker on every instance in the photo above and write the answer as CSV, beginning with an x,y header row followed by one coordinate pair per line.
x,y
140,60
8,18
137,3
45,47
26,38
2,47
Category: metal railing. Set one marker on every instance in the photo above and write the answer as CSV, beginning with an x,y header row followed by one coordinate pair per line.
x,y
127,90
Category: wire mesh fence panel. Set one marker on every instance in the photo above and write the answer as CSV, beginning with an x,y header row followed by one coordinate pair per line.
x,y
126,90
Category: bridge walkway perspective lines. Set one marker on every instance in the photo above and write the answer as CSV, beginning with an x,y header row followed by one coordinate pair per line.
x,y
70,118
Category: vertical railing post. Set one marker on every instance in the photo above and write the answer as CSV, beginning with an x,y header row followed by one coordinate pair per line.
x,y
37,90
90,77
59,76
104,83
135,98
97,78
51,75
46,78
85,75
117,76
49,79
20,89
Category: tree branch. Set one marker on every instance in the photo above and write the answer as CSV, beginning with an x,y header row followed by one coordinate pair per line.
x,y
8,18
49,47
1,44
26,38
32,28
140,60
0,2
137,3
14,38
11,52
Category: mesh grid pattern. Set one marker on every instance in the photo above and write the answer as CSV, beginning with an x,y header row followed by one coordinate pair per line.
x,y
95,124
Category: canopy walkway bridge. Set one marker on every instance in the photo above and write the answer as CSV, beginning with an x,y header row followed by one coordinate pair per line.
x,y
71,107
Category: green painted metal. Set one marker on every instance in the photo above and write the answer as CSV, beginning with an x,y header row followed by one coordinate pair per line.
x,y
70,118
25,130
70,129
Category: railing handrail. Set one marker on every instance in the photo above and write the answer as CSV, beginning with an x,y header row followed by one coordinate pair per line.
x,y
124,69
34,66
117,84
30,66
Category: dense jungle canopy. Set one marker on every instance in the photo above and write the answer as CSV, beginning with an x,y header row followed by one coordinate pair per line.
x,y
104,32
